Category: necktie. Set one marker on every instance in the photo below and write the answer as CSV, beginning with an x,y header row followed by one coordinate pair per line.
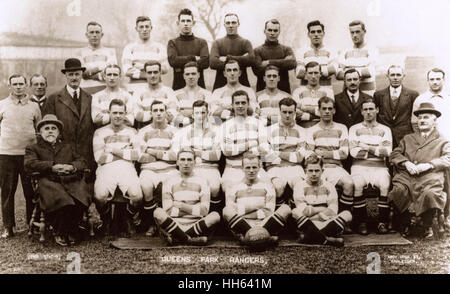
x,y
353,99
394,99
76,100
394,94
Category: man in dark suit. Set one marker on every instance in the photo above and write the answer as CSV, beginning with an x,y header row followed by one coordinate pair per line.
x,y
395,104
349,102
72,106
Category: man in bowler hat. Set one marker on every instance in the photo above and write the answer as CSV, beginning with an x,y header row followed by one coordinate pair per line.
x,y
72,105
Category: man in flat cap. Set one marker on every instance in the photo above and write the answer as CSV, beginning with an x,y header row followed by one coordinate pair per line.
x,y
72,105
420,160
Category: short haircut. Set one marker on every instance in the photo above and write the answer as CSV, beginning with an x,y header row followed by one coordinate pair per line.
x,y
157,102
112,66
13,76
369,100
117,102
351,70
37,76
288,101
239,93
185,150
312,64
231,14
325,99
191,64
151,63
185,11
313,159
143,18
357,22
249,156
200,103
231,61
395,66
436,70
274,21
315,23
93,23
271,67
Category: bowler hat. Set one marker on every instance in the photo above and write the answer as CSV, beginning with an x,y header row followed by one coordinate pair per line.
x,y
72,64
427,107
50,119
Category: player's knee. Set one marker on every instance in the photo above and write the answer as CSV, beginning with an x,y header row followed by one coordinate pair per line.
x,y
347,184
384,187
358,183
100,194
346,215
135,199
297,213
284,211
160,215
215,189
212,218
225,185
147,186
228,213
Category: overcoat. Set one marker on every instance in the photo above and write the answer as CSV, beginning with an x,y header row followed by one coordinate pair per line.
x,y
426,189
57,191
78,127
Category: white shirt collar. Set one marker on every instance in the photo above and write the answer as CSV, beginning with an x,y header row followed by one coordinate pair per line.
x,y
426,135
398,90
33,97
356,95
71,91
442,94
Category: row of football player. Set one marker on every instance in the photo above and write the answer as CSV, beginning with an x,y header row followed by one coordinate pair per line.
x,y
189,48
264,104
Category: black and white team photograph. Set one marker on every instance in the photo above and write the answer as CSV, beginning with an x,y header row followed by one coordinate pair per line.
x,y
224,137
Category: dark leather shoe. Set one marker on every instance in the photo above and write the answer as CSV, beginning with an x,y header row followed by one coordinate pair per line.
x,y
151,231
72,240
8,233
197,241
441,225
61,241
242,240
300,237
272,241
336,242
382,228
362,229
447,224
428,235
347,230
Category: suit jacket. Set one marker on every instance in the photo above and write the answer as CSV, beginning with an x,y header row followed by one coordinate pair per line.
x,y
398,120
346,113
78,128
